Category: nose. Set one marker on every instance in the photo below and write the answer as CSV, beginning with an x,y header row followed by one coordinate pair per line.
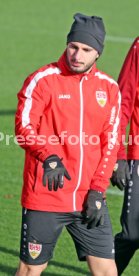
x,y
77,54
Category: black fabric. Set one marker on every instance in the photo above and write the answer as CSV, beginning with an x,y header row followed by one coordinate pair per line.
x,y
41,230
94,209
89,30
121,174
54,173
38,230
124,251
127,241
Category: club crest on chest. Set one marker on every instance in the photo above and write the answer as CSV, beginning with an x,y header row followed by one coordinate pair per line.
x,y
101,98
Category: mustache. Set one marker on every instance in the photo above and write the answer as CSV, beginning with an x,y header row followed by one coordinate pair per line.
x,y
74,60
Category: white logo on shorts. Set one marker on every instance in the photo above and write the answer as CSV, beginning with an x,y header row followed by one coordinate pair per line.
x,y
34,249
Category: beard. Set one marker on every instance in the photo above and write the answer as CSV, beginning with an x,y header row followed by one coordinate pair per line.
x,y
81,69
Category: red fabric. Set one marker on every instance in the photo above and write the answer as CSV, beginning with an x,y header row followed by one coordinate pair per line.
x,y
129,86
53,101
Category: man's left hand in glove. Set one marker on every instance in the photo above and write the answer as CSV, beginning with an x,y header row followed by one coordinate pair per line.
x,y
93,215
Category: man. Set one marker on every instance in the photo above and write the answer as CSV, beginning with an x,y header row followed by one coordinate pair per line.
x,y
67,121
127,174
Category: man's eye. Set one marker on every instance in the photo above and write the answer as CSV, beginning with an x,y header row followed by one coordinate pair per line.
x,y
72,46
87,50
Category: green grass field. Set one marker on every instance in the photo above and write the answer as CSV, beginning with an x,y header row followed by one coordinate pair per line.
x,y
33,33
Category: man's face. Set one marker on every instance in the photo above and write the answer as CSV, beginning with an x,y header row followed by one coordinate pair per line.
x,y
80,57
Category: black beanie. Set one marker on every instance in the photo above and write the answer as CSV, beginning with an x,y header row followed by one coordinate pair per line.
x,y
88,30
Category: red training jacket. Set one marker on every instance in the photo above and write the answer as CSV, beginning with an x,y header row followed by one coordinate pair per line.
x,y
71,115
129,86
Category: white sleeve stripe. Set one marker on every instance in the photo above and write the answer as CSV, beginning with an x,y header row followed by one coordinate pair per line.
x,y
103,76
29,91
117,121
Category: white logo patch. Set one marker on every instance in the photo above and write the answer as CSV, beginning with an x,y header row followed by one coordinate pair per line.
x,y
98,204
101,97
112,118
53,165
138,170
115,167
34,249
64,96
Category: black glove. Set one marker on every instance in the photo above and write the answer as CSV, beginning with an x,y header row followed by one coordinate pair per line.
x,y
54,172
120,174
93,214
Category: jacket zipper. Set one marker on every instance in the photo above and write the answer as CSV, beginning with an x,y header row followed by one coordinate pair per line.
x,y
81,144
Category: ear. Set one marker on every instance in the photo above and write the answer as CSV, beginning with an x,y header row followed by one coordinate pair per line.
x,y
97,57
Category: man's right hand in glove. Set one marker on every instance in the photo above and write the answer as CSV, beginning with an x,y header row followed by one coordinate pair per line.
x,y
120,174
54,172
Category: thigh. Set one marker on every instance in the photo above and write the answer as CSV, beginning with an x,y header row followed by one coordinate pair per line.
x,y
96,242
130,210
39,233
101,266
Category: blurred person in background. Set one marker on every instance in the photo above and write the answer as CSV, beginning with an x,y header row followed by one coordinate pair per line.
x,y
126,172
62,107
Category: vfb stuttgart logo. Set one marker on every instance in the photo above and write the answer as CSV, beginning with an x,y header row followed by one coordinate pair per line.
x,y
101,97
34,249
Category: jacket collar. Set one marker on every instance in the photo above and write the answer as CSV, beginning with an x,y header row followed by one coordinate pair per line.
x,y
62,64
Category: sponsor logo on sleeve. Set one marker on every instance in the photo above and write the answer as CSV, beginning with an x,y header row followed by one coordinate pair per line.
x,y
113,114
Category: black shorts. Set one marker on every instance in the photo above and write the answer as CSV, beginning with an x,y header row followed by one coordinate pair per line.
x,y
130,210
40,231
